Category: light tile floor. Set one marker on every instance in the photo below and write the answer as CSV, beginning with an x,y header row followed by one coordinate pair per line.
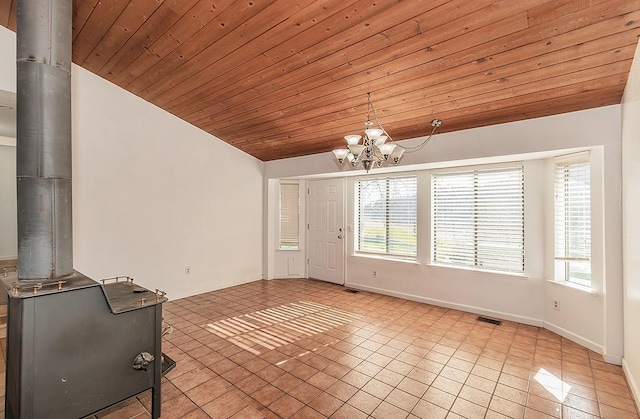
x,y
308,349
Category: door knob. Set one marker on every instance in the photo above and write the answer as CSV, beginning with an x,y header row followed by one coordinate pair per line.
x,y
340,236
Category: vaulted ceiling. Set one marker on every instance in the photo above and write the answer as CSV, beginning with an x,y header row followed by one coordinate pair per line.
x,y
285,78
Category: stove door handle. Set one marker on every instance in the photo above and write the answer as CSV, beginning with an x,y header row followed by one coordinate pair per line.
x,y
142,361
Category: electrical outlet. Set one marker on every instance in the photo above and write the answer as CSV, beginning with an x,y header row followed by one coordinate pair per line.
x,y
556,305
375,274
187,270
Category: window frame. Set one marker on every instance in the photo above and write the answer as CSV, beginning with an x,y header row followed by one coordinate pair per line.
x,y
476,260
387,254
292,243
562,263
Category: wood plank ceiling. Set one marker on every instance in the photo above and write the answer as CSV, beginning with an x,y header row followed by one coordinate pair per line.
x,y
286,78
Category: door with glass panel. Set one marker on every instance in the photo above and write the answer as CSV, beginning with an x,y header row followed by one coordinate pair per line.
x,y
326,230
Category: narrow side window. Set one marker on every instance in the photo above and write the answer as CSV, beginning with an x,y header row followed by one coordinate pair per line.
x,y
289,216
572,220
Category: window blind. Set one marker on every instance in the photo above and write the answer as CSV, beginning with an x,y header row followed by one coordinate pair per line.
x,y
478,219
387,216
289,216
572,222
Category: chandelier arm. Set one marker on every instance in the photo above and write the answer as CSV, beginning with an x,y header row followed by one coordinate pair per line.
x,y
422,144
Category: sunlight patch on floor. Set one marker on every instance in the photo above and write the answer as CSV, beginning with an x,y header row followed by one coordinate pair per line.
x,y
278,326
558,388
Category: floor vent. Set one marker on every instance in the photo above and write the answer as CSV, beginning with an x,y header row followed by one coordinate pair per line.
x,y
488,320
352,291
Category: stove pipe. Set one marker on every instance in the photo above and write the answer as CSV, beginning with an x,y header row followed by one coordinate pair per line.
x,y
45,249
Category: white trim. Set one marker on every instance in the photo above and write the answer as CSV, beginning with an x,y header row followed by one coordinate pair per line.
x,y
478,166
572,285
381,256
441,303
296,276
573,158
612,359
633,384
207,288
576,338
288,225
281,275
7,141
519,275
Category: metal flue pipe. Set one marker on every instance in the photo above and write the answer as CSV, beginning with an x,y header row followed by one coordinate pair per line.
x,y
45,249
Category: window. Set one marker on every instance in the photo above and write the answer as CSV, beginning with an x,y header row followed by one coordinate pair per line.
x,y
289,216
573,219
478,219
387,212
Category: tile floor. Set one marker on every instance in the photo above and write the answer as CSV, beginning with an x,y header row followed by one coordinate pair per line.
x,y
308,349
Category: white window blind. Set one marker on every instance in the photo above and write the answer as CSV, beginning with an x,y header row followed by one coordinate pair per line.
x,y
573,219
387,212
289,216
478,219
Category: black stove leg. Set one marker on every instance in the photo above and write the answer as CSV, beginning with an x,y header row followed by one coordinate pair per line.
x,y
155,401
156,390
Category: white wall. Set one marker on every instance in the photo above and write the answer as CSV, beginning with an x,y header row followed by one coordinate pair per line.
x,y
153,194
8,61
592,319
8,226
631,224
8,213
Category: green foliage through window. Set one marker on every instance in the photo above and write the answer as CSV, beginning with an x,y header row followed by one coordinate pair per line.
x,y
387,216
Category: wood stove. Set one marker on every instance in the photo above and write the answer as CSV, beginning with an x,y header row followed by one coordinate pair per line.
x,y
76,346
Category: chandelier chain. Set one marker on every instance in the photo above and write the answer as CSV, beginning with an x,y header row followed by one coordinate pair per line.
x,y
423,143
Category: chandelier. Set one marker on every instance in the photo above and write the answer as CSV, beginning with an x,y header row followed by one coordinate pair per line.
x,y
377,147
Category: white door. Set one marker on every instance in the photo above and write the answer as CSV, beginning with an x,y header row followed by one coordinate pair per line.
x,y
326,230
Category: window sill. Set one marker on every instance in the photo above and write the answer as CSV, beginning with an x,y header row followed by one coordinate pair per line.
x,y
384,257
577,287
481,271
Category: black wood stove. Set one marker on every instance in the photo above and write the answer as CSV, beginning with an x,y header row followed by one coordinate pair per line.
x,y
76,346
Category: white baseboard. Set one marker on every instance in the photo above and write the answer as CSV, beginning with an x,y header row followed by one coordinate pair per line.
x,y
633,384
441,303
285,276
612,359
208,288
